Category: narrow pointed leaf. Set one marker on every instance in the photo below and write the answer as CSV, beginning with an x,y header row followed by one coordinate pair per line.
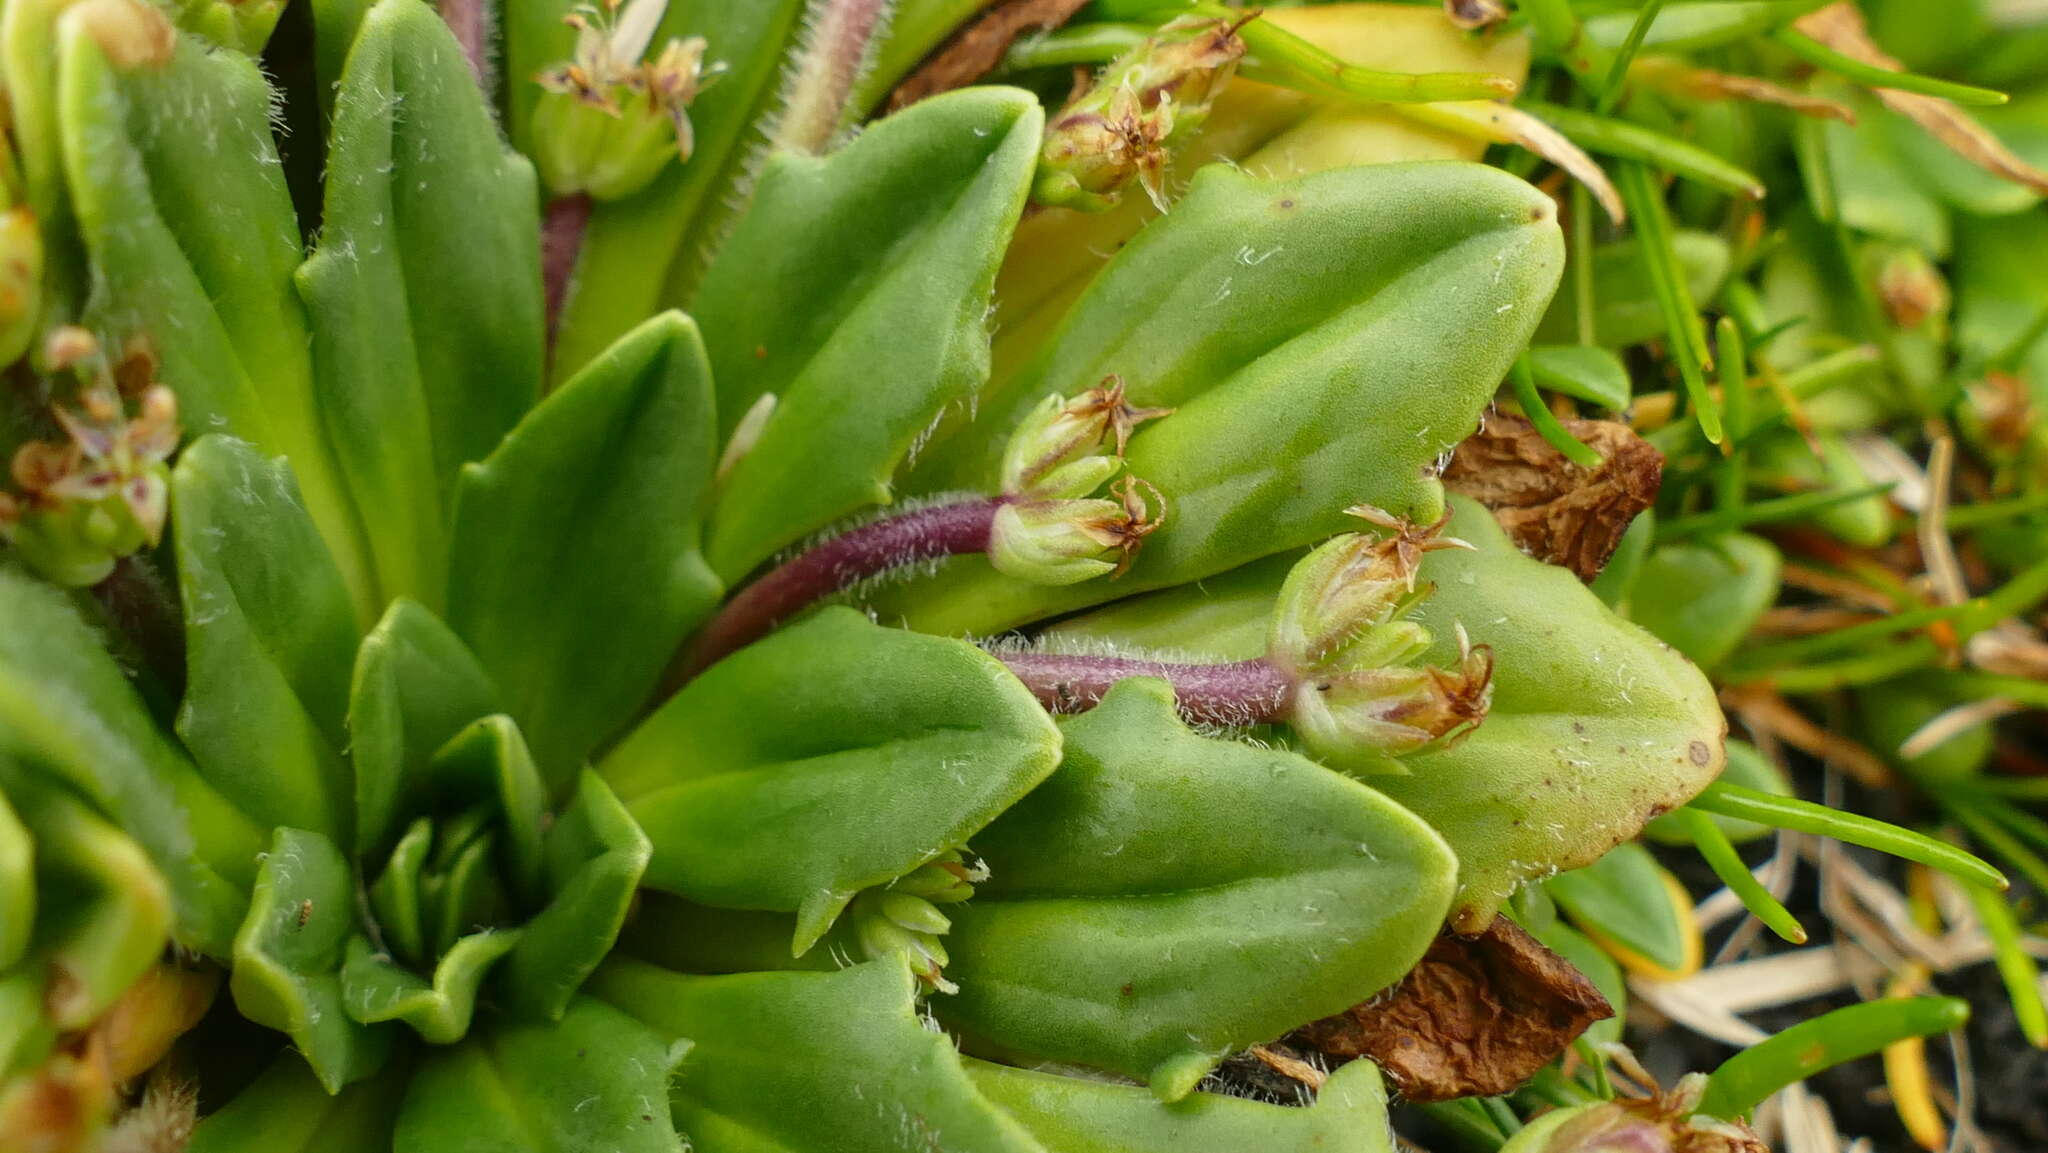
x,y
849,1047
1076,1115
912,742
288,957
880,259
1324,339
579,536
269,636
66,708
595,857
1165,896
424,292
597,1079
192,241
415,688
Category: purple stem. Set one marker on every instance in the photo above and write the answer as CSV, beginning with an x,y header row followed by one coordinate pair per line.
x,y
561,242
1236,693
143,606
844,560
468,19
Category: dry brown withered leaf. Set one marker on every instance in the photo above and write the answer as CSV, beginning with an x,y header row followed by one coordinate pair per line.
x,y
1668,74
1477,1017
975,50
1555,510
1507,124
1840,26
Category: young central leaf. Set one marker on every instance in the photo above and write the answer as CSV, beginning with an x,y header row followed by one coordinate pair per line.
x,y
1165,898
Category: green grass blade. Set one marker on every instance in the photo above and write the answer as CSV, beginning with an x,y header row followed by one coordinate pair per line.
x,y
1746,1079
1821,56
1547,425
1719,853
1807,817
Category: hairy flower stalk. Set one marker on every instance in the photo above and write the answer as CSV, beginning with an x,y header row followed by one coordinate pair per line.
x,y
1123,128
1043,527
1336,668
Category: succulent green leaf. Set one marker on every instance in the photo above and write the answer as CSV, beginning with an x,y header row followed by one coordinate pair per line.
x,y
1620,719
288,1110
851,1068
594,858
1623,897
416,687
1076,1115
1626,310
182,207
17,887
67,711
910,743
1166,897
269,637
424,291
374,989
630,246
595,1080
1324,340
1595,727
289,953
580,572
855,290
488,762
105,915
1702,598
396,899
1582,371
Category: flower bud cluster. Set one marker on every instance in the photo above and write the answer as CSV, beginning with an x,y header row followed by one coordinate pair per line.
x,y
81,503
1049,528
1341,632
903,919
1123,128
611,118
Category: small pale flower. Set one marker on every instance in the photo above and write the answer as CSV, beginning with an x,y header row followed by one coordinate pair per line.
x,y
613,116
